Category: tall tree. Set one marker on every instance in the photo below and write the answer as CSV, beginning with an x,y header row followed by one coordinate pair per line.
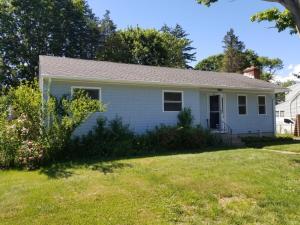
x,y
287,19
146,47
187,50
268,66
234,59
29,28
211,63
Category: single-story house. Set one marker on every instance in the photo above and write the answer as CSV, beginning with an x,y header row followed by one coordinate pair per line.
x,y
146,96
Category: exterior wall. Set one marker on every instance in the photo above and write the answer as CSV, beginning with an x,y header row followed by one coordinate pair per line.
x,y
142,107
252,122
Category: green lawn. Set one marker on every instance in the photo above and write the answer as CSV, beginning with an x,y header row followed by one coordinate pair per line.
x,y
288,147
243,186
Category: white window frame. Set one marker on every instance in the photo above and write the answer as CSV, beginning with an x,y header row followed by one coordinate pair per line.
x,y
85,87
238,105
258,105
281,113
172,91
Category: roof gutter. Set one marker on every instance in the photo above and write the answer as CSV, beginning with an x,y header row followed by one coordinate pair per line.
x,y
271,90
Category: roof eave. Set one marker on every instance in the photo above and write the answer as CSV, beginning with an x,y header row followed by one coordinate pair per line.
x,y
271,90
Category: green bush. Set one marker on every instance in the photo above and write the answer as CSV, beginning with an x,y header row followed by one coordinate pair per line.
x,y
114,139
107,139
170,138
259,142
185,118
32,131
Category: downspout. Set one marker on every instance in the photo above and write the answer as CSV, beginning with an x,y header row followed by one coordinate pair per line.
x,y
48,97
273,113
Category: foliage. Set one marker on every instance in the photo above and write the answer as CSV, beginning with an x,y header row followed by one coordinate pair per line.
x,y
259,142
280,97
32,131
107,139
181,34
147,47
170,138
287,19
234,58
211,63
30,155
237,60
49,27
283,19
185,118
114,139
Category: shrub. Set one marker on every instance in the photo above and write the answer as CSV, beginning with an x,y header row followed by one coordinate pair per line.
x,y
30,128
107,139
185,118
170,138
30,155
259,142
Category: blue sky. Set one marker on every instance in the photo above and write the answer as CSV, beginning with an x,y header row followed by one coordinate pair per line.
x,y
207,26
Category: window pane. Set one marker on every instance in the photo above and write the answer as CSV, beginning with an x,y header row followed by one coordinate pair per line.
x,y
261,100
281,113
242,110
172,96
173,107
242,100
262,110
277,113
92,93
214,103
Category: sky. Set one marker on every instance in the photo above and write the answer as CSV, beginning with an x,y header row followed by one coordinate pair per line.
x,y
207,26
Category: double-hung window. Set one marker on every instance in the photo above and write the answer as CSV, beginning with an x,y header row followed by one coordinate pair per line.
x,y
172,101
262,105
242,104
92,92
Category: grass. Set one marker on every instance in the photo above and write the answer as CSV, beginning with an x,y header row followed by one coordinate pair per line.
x,y
286,147
243,186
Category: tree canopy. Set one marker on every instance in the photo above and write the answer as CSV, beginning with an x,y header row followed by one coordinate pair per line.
x,y
236,58
148,47
286,19
29,28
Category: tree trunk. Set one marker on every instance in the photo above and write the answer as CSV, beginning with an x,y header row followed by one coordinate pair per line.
x,y
294,7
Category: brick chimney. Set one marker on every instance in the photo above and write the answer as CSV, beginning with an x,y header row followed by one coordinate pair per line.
x,y
252,72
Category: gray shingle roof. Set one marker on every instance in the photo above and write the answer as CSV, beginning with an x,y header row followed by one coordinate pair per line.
x,y
68,68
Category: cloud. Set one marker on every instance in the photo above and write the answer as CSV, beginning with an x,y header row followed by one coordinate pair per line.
x,y
292,69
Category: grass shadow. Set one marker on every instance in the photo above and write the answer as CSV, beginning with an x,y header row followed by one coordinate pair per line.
x,y
260,145
58,171
63,169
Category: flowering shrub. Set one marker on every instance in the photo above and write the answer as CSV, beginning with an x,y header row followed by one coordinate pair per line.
x,y
30,155
32,131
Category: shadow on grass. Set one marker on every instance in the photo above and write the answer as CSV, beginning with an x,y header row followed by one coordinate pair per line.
x,y
65,169
260,145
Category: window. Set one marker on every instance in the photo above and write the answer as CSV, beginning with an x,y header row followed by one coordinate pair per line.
x,y
242,104
277,113
261,105
281,113
92,92
172,101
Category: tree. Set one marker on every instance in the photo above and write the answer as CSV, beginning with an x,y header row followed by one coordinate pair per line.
x,y
211,63
245,59
146,47
234,59
269,67
280,97
29,28
287,19
181,34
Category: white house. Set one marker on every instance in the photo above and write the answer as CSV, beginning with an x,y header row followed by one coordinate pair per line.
x,y
286,112
146,96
